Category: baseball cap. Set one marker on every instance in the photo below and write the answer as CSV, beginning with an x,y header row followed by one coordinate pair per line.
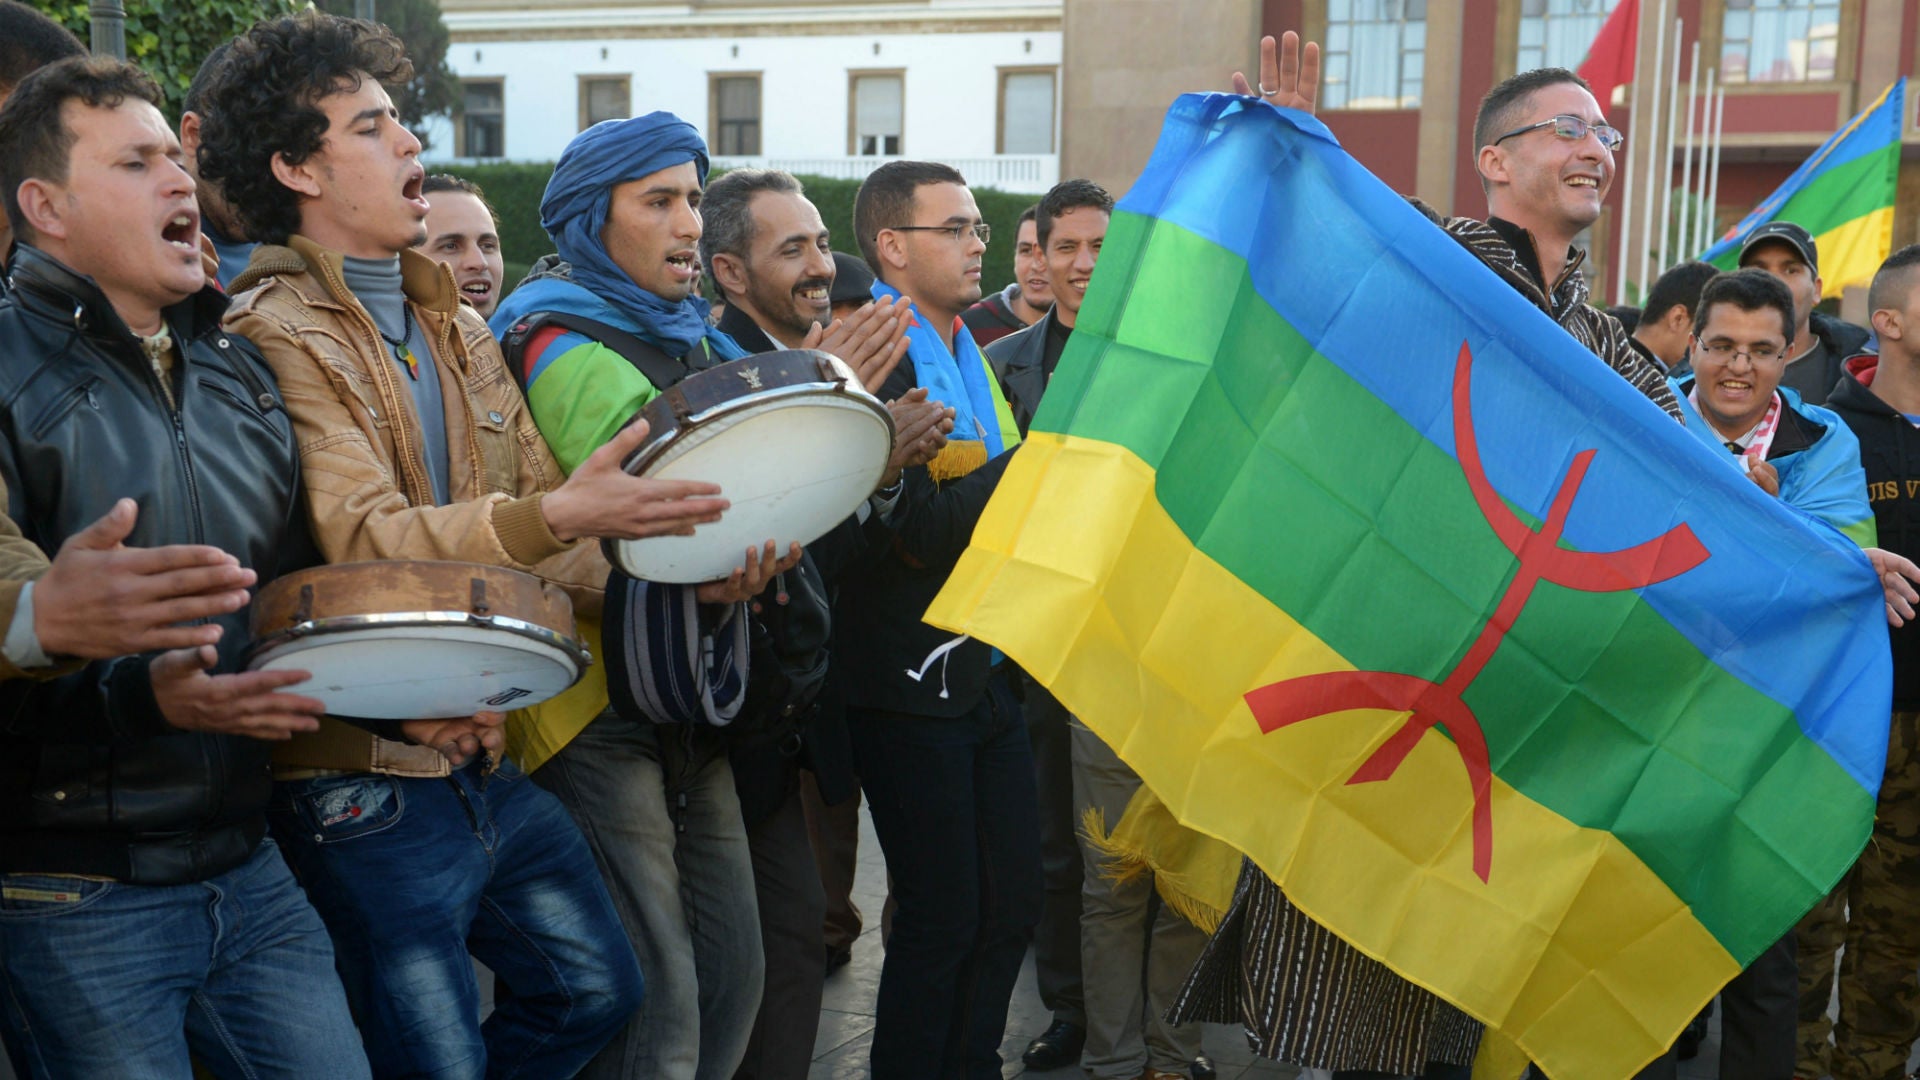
x,y
1786,232
851,279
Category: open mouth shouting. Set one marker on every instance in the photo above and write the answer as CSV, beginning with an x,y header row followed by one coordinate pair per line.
x,y
182,232
410,190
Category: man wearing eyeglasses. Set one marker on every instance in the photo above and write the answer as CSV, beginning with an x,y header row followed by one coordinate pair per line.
x,y
1799,452
941,748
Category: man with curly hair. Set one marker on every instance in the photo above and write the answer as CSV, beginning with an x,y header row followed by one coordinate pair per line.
x,y
417,445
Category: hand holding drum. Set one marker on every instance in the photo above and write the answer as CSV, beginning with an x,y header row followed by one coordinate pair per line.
x,y
601,500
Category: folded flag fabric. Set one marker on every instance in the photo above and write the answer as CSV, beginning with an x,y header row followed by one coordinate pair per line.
x,y
1842,195
1310,482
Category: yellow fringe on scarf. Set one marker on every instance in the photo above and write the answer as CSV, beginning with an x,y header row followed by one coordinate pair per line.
x,y
1193,873
958,458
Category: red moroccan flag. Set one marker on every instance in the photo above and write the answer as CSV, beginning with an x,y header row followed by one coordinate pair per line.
x,y
1609,62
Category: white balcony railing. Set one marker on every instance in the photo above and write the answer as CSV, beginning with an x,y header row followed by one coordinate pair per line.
x,y
1026,174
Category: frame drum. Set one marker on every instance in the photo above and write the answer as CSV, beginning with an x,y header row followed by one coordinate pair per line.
x,y
792,438
415,640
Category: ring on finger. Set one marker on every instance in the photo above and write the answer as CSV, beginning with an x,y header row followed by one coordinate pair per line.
x,y
1264,92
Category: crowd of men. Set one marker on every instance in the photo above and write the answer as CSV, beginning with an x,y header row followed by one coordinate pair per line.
x,y
265,339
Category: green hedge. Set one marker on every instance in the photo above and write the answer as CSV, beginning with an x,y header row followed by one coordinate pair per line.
x,y
514,189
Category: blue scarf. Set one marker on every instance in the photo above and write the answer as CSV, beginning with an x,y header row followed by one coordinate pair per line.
x,y
574,211
956,379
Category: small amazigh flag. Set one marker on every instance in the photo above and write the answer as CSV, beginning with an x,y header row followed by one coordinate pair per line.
x,y
1373,573
1842,195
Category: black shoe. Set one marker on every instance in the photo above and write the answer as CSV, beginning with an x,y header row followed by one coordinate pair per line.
x,y
1202,1068
838,958
1056,1048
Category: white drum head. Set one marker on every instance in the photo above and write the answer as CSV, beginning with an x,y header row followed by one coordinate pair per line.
x,y
422,673
791,469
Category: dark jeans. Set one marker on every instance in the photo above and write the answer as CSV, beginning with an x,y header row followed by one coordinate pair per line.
x,y
954,807
413,874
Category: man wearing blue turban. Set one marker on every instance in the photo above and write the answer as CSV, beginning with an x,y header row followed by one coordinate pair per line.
x,y
657,802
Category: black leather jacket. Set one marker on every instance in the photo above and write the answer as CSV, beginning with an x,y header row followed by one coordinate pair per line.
x,y
92,778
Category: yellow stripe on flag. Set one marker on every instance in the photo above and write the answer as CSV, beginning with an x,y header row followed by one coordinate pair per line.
x,y
1851,254
1152,643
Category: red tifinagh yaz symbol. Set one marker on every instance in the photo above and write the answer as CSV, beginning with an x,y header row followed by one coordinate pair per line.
x,y
1430,704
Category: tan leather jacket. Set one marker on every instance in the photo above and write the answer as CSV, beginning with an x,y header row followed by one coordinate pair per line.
x,y
362,451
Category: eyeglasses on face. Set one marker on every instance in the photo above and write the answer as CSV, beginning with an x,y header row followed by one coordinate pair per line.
x,y
958,231
1725,351
1571,127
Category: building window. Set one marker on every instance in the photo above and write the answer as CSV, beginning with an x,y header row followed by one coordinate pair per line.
x,y
733,101
604,97
1376,54
1780,40
1026,111
877,114
480,131
1558,33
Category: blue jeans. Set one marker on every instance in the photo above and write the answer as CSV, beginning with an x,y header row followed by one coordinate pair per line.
x,y
117,982
659,808
414,874
955,809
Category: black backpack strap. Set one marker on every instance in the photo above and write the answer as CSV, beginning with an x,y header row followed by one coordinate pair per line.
x,y
660,369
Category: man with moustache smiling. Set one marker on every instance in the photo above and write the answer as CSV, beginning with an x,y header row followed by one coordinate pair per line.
x,y
418,445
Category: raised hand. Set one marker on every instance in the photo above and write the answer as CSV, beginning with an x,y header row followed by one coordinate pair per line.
x,y
247,703
1289,75
100,598
872,340
601,500
750,578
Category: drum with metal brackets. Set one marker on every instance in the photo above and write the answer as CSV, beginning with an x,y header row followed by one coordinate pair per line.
x,y
416,640
792,438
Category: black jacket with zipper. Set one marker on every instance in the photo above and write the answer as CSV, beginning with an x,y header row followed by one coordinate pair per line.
x,y
1890,452
93,780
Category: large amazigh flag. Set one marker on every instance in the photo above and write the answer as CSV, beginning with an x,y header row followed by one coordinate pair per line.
x,y
1310,481
1842,195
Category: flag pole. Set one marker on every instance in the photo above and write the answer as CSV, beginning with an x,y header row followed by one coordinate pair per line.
x,y
1626,200
1665,224
1652,140
1702,212
1683,238
1713,172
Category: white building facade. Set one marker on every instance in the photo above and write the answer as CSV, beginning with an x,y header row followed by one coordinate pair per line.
x,y
827,89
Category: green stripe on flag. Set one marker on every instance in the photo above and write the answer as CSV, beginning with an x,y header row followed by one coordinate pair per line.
x,y
1837,196
1575,663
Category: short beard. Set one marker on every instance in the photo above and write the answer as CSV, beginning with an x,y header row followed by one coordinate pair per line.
x,y
780,309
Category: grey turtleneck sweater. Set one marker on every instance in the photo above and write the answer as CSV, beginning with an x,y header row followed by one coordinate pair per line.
x,y
376,282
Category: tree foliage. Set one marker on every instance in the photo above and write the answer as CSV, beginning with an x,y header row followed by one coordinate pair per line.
x,y
434,89
169,38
